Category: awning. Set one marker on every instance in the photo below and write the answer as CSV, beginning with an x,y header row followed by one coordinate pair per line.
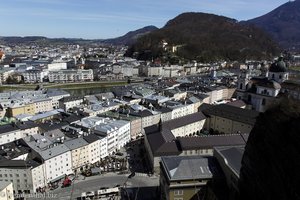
x,y
57,178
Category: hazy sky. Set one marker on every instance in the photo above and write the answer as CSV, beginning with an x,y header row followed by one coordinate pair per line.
x,y
100,19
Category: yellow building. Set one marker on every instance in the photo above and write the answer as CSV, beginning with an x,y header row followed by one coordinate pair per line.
x,y
79,152
18,109
227,119
186,177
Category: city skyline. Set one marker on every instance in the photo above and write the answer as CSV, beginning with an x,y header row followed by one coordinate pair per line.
x,y
107,19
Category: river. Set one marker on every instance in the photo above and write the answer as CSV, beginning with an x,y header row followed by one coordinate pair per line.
x,y
87,91
73,92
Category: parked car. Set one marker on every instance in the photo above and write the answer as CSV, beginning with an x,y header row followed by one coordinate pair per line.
x,y
66,183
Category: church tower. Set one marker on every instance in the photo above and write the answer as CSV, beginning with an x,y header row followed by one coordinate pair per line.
x,y
278,71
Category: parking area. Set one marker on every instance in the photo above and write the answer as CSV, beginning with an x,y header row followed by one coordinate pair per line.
x,y
137,157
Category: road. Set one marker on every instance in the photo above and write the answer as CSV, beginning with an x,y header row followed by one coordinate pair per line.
x,y
94,183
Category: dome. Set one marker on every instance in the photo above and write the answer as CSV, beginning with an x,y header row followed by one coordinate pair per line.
x,y
278,66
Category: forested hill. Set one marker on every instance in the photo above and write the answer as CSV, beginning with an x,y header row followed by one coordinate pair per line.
x,y
204,37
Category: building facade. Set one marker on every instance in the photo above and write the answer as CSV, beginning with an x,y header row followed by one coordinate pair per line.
x,y
71,75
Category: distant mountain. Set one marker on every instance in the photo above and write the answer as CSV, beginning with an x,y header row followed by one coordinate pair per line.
x,y
130,37
126,39
205,37
29,40
283,24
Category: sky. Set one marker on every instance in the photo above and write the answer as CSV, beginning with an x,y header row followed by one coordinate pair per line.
x,y
102,19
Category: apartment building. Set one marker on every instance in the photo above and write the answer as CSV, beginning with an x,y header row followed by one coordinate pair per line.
x,y
43,105
13,132
113,134
6,190
55,95
25,176
117,133
79,153
71,75
93,146
5,73
20,108
34,76
183,177
55,156
67,103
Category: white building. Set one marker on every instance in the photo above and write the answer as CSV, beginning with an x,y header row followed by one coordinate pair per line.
x,y
5,73
67,103
6,191
10,133
113,134
34,76
56,157
176,111
71,75
117,133
26,176
187,125
57,66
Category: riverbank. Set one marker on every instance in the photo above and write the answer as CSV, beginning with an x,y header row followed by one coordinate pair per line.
x,y
66,86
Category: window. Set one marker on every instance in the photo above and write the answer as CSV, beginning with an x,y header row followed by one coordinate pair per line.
x,y
249,98
263,102
178,192
176,198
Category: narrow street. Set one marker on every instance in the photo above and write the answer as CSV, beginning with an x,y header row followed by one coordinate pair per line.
x,y
94,183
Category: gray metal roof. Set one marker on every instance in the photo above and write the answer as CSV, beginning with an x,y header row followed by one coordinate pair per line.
x,y
208,142
234,113
44,147
19,164
162,143
232,157
75,143
91,138
189,167
8,128
183,121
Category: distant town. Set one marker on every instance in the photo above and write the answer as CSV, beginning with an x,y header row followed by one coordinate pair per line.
x,y
168,131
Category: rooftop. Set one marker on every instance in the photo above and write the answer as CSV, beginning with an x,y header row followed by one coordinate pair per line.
x,y
191,143
189,167
232,157
183,121
70,98
75,143
234,113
